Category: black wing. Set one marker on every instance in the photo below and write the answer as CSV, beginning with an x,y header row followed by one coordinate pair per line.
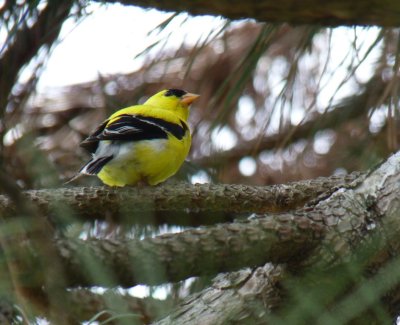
x,y
134,128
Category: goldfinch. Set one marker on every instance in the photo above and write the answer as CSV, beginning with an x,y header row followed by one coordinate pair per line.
x,y
143,143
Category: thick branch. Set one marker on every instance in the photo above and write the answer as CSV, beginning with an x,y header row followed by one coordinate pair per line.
x,y
360,214
355,219
325,13
329,233
128,205
343,218
246,295
202,251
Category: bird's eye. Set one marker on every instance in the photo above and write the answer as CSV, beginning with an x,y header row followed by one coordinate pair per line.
x,y
175,92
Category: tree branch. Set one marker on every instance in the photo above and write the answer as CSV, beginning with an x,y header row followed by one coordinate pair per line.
x,y
243,295
342,220
175,257
349,216
129,204
322,236
325,13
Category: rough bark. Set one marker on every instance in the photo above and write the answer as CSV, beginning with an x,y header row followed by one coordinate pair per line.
x,y
357,214
325,13
205,204
343,219
239,297
201,251
360,221
330,232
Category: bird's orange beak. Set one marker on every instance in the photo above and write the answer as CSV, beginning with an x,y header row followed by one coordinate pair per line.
x,y
189,98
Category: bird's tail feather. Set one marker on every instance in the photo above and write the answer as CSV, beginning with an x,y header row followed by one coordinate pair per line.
x,y
93,167
73,178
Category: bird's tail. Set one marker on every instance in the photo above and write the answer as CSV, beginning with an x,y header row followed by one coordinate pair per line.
x,y
93,167
78,175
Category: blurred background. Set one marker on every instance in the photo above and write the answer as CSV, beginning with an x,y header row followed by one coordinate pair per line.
x,y
278,103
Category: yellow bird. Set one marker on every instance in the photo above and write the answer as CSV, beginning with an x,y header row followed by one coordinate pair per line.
x,y
143,143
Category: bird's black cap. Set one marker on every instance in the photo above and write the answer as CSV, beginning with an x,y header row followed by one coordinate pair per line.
x,y
175,92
